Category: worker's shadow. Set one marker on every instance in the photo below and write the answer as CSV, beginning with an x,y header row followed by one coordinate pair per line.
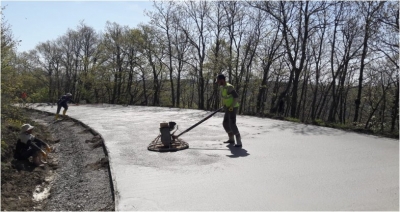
x,y
237,152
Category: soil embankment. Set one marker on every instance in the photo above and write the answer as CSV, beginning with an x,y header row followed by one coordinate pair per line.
x,y
76,177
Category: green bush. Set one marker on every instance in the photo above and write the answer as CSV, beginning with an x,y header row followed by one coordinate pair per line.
x,y
3,145
341,126
319,122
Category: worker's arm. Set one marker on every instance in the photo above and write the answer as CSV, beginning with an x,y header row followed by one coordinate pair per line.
x,y
70,100
43,144
235,96
32,144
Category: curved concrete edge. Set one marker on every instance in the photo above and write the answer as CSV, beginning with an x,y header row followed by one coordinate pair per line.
x,y
113,182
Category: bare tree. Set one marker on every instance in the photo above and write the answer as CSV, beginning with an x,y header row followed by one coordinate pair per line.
x,y
268,56
236,14
388,45
154,51
198,36
49,59
297,27
89,44
217,25
113,41
250,48
163,18
369,11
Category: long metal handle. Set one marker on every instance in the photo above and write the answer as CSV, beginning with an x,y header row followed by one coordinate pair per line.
x,y
195,125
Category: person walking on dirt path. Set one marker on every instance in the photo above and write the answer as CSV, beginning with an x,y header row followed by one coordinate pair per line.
x,y
62,102
230,102
28,145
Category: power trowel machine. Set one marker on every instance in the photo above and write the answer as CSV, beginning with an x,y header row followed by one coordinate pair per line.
x,y
169,141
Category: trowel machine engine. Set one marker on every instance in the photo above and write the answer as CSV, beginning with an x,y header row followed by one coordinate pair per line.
x,y
166,136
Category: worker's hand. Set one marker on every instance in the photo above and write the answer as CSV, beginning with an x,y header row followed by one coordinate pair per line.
x,y
48,148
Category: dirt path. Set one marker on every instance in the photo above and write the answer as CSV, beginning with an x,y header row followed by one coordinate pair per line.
x,y
77,175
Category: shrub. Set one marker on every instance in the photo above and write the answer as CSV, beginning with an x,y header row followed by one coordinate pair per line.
x,y
292,119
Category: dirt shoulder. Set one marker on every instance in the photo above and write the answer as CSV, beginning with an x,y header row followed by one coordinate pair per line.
x,y
76,177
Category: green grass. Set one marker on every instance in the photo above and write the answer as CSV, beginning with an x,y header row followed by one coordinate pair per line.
x,y
292,119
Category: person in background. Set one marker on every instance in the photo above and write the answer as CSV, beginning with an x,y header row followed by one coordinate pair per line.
x,y
230,102
24,96
28,145
63,102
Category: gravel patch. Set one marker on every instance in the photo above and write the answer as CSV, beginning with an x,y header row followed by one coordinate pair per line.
x,y
80,180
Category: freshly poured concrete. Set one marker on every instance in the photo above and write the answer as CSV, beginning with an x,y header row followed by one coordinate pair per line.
x,y
282,165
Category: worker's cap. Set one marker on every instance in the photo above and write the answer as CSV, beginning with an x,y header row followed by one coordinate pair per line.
x,y
219,77
69,94
26,127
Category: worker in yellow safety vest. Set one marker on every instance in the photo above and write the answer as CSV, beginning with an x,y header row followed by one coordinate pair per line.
x,y
230,102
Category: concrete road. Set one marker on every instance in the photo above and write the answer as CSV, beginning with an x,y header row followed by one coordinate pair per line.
x,y
282,165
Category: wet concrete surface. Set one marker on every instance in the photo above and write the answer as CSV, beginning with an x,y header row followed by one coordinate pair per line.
x,y
282,165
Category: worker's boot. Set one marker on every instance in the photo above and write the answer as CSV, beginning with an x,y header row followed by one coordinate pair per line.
x,y
56,118
231,139
64,112
238,141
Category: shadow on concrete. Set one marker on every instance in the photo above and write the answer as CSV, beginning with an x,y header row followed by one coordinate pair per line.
x,y
207,149
304,129
312,130
237,152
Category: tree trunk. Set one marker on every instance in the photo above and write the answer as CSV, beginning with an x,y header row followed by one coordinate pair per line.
x,y
293,106
262,90
114,95
178,88
395,108
360,79
171,79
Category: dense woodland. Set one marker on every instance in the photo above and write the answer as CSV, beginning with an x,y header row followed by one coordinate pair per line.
x,y
311,61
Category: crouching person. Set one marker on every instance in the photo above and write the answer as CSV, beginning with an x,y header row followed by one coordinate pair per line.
x,y
28,145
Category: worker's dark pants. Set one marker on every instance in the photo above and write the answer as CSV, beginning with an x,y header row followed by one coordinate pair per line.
x,y
31,151
65,106
229,122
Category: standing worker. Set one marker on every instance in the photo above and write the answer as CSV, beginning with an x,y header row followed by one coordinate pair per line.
x,y
62,102
230,102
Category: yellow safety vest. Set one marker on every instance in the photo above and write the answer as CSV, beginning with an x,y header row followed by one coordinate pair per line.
x,y
227,99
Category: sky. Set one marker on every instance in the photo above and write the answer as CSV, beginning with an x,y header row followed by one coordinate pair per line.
x,y
33,22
